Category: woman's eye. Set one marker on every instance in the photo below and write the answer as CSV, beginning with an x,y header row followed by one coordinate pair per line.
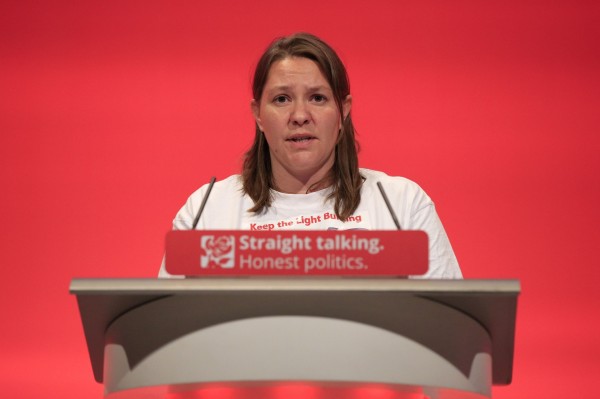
x,y
319,98
280,99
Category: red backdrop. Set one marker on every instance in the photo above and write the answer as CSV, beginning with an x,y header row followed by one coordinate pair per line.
x,y
111,113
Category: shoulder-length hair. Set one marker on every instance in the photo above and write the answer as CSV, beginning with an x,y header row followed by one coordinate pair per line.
x,y
257,175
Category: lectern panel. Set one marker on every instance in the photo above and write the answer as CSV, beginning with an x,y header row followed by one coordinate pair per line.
x,y
464,327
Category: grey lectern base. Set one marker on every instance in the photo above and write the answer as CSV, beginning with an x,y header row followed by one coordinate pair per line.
x,y
445,339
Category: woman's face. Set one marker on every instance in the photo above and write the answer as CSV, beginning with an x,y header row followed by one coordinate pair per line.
x,y
301,122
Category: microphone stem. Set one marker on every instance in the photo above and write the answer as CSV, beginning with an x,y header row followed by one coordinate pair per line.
x,y
210,186
389,206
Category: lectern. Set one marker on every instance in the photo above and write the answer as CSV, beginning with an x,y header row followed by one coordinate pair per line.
x,y
429,338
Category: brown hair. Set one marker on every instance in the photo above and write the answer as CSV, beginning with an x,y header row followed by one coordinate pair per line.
x,y
257,175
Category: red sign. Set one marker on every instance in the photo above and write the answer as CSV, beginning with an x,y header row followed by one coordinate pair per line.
x,y
360,253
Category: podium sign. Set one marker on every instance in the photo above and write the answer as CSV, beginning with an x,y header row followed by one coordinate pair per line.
x,y
358,253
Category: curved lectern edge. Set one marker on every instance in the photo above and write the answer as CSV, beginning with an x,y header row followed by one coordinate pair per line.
x,y
491,302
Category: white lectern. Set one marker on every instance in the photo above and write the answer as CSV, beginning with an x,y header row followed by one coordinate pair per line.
x,y
442,338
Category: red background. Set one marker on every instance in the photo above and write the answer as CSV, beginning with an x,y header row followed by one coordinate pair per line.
x,y
112,113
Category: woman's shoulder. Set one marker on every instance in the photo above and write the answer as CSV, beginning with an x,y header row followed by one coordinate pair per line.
x,y
224,194
228,186
372,177
397,188
223,191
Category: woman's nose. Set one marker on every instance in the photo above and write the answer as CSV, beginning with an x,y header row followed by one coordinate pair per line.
x,y
300,114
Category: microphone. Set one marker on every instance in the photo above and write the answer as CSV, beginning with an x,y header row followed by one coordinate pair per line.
x,y
210,186
389,206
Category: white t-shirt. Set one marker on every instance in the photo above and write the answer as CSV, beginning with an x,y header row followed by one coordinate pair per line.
x,y
227,205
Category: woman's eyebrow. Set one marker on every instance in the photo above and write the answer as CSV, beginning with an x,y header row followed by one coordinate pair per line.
x,y
288,87
319,88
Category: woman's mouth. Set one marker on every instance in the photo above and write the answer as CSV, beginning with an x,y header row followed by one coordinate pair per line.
x,y
300,138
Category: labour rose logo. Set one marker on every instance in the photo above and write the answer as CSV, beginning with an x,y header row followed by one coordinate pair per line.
x,y
219,251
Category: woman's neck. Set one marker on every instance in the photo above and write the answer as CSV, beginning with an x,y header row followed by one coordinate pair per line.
x,y
291,184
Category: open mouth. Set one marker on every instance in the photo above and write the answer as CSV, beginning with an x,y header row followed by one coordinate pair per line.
x,y
300,139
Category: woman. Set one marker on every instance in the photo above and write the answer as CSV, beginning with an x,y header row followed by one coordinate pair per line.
x,y
302,169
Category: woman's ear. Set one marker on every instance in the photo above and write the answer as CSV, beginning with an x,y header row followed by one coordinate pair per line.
x,y
346,106
255,107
